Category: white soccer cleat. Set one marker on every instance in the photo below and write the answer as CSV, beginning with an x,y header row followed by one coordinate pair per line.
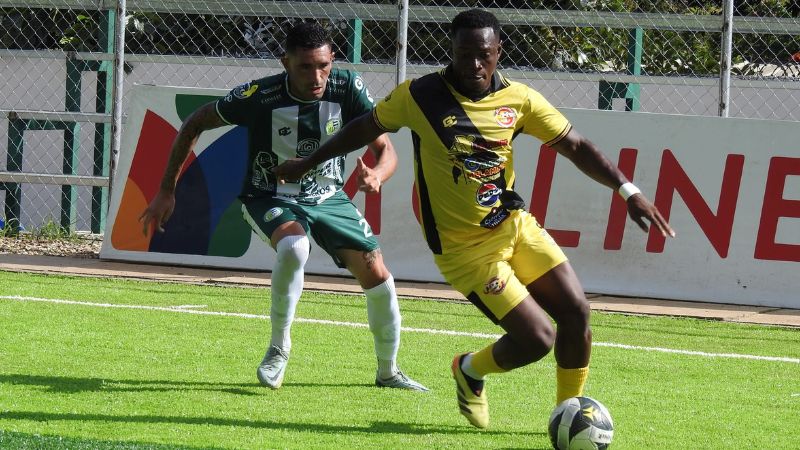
x,y
273,367
400,381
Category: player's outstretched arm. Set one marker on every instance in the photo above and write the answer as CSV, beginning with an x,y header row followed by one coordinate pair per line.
x,y
370,180
591,161
356,134
160,208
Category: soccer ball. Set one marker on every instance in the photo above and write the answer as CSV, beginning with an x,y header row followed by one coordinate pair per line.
x,y
580,423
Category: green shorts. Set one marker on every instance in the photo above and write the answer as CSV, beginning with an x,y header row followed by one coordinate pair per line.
x,y
334,224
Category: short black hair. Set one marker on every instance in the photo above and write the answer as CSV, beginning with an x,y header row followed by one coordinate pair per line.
x,y
473,19
307,35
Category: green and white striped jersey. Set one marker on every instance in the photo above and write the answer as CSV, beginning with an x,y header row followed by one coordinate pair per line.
x,y
281,126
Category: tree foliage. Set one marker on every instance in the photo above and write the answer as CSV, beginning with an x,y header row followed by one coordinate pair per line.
x,y
533,47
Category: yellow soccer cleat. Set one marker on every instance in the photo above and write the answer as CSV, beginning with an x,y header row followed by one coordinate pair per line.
x,y
473,405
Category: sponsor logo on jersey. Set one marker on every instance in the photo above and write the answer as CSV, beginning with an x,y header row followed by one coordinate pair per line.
x,y
271,99
505,116
449,121
284,131
332,126
307,147
488,194
271,89
359,83
467,143
272,214
262,171
482,166
245,91
495,217
495,286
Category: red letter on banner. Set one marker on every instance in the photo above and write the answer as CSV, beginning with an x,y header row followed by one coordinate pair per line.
x,y
619,209
372,202
540,196
775,207
716,227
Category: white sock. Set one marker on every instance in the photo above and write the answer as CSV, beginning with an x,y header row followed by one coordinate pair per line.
x,y
466,367
383,314
287,286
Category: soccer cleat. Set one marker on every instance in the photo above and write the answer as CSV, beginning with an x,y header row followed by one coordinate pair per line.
x,y
473,405
273,366
400,381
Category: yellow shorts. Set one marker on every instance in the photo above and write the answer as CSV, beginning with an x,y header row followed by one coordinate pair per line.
x,y
493,274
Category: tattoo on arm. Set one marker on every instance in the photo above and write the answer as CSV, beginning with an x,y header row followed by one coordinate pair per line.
x,y
205,118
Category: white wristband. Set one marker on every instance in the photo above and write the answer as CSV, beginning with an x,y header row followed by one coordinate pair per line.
x,y
628,189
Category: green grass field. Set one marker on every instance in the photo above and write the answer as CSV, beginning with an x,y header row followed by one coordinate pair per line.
x,y
104,363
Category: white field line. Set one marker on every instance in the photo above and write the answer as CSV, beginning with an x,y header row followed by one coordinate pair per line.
x,y
182,309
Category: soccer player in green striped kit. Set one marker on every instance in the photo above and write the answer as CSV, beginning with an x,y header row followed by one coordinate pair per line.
x,y
290,115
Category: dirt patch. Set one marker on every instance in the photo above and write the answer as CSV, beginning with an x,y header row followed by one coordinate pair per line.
x,y
76,247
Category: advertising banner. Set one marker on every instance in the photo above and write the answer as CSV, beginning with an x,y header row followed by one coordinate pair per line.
x,y
729,187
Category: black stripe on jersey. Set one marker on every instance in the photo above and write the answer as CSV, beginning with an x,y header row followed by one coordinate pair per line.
x,y
431,233
437,102
475,299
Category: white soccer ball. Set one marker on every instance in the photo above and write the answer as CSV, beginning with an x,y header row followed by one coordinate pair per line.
x,y
580,423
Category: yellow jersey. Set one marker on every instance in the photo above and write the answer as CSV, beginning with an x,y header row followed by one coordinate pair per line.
x,y
463,156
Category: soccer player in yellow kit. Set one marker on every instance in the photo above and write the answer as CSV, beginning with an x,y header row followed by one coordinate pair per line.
x,y
487,246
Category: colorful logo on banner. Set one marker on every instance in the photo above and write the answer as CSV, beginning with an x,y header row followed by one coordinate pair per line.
x,y
207,219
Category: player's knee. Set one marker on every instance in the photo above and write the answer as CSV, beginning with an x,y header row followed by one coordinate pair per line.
x,y
577,316
370,270
543,339
538,344
292,251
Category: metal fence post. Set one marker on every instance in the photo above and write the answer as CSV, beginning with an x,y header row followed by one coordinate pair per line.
x,y
354,41
16,128
402,41
116,104
608,91
102,131
725,58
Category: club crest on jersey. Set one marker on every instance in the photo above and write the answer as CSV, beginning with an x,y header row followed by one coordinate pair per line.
x,y
332,126
244,91
488,194
307,147
272,214
505,116
495,286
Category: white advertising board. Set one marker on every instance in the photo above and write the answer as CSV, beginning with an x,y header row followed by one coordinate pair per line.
x,y
729,187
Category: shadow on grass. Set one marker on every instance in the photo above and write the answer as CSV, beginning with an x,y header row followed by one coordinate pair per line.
x,y
9,439
70,385
75,385
375,427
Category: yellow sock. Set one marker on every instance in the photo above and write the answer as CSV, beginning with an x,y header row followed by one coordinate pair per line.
x,y
483,362
569,382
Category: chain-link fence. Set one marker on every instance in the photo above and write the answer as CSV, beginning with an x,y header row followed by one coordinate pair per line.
x,y
701,57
